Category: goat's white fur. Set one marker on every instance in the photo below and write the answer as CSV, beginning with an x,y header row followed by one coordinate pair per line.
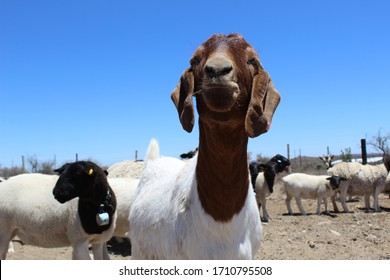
x,y
300,185
28,209
168,221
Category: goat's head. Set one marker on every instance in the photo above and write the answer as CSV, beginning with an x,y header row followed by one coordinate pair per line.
x,y
327,160
78,179
230,85
335,181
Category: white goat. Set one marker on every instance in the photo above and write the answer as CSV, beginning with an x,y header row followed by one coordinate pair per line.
x,y
300,185
29,210
205,207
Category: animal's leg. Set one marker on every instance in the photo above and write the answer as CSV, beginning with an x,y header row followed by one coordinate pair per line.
x,y
326,205
299,204
376,199
288,204
333,199
367,201
5,242
11,249
265,214
81,251
318,212
343,199
100,251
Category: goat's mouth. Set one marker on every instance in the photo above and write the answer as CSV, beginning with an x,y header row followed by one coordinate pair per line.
x,y
220,98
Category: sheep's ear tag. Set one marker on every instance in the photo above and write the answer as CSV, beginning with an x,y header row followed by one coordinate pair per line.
x,y
102,218
90,172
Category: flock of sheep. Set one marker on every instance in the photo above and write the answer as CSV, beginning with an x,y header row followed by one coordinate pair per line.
x,y
206,207
342,179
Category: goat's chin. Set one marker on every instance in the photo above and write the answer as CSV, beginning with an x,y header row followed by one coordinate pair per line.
x,y
220,98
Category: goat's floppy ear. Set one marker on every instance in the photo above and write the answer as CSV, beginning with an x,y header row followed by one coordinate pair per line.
x,y
182,98
264,100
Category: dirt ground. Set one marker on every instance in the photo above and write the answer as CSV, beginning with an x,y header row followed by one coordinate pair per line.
x,y
359,235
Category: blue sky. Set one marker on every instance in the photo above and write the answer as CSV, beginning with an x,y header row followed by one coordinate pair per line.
x,y
95,77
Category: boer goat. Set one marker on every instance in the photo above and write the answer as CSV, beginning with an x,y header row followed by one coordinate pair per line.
x,y
205,207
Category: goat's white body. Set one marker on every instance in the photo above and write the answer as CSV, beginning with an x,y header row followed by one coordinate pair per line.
x,y
362,179
300,185
28,209
168,221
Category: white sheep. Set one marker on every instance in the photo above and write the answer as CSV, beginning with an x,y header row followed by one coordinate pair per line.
x,y
124,189
365,180
29,210
319,187
383,188
10,245
264,177
126,169
205,207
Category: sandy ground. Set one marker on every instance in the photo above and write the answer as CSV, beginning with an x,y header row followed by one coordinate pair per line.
x,y
359,235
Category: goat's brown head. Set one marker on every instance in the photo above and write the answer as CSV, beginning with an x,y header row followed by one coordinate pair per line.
x,y
230,85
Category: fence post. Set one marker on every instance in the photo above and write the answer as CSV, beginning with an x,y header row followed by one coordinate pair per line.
x,y
364,151
288,157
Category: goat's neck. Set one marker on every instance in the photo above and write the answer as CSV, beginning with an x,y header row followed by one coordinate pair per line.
x,y
222,170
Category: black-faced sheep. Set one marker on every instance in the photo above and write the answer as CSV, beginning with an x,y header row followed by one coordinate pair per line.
x,y
124,189
29,210
365,180
264,177
189,154
205,207
319,187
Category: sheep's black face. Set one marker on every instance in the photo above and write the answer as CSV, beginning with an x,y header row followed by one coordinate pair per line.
x,y
254,169
335,181
75,181
281,163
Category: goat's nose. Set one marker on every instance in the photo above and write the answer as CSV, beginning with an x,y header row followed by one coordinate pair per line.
x,y
217,67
